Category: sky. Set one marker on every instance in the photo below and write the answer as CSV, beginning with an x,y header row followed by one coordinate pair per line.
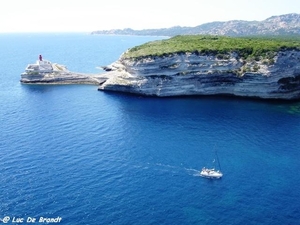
x,y
92,15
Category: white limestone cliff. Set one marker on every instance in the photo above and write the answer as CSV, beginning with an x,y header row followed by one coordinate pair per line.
x,y
276,77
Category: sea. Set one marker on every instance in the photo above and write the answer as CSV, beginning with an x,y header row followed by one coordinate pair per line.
x,y
71,154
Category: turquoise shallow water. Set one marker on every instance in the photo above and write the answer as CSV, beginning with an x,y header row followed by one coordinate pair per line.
x,y
93,157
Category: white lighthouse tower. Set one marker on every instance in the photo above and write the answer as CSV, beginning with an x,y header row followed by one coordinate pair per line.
x,y
41,66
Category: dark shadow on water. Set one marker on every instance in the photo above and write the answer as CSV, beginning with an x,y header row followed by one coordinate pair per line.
x,y
44,88
37,88
207,97
212,102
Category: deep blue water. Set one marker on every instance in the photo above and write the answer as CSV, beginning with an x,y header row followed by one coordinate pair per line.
x,y
93,157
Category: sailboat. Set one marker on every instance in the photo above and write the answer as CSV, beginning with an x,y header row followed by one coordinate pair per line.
x,y
212,173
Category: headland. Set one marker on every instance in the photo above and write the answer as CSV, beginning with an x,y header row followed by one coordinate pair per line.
x,y
266,68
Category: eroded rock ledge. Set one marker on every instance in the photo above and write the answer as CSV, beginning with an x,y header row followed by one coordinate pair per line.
x,y
45,72
193,74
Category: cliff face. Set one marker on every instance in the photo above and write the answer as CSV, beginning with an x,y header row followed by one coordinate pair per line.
x,y
276,77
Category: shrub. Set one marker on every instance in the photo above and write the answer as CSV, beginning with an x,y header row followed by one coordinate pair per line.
x,y
254,47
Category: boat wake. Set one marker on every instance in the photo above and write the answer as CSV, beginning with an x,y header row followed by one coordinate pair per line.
x,y
193,172
170,169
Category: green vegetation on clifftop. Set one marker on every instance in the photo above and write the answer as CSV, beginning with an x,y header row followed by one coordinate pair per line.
x,y
219,45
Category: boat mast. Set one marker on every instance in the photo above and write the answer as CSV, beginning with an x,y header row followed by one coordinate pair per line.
x,y
218,161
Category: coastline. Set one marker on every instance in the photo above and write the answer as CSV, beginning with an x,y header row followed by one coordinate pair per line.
x,y
184,74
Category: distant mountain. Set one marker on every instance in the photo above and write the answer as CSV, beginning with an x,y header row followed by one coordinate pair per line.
x,y
288,24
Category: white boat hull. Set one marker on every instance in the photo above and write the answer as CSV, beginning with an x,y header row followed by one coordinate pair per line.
x,y
211,173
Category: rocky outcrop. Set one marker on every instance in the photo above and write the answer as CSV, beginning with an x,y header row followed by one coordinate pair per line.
x,y
63,78
275,76
45,72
